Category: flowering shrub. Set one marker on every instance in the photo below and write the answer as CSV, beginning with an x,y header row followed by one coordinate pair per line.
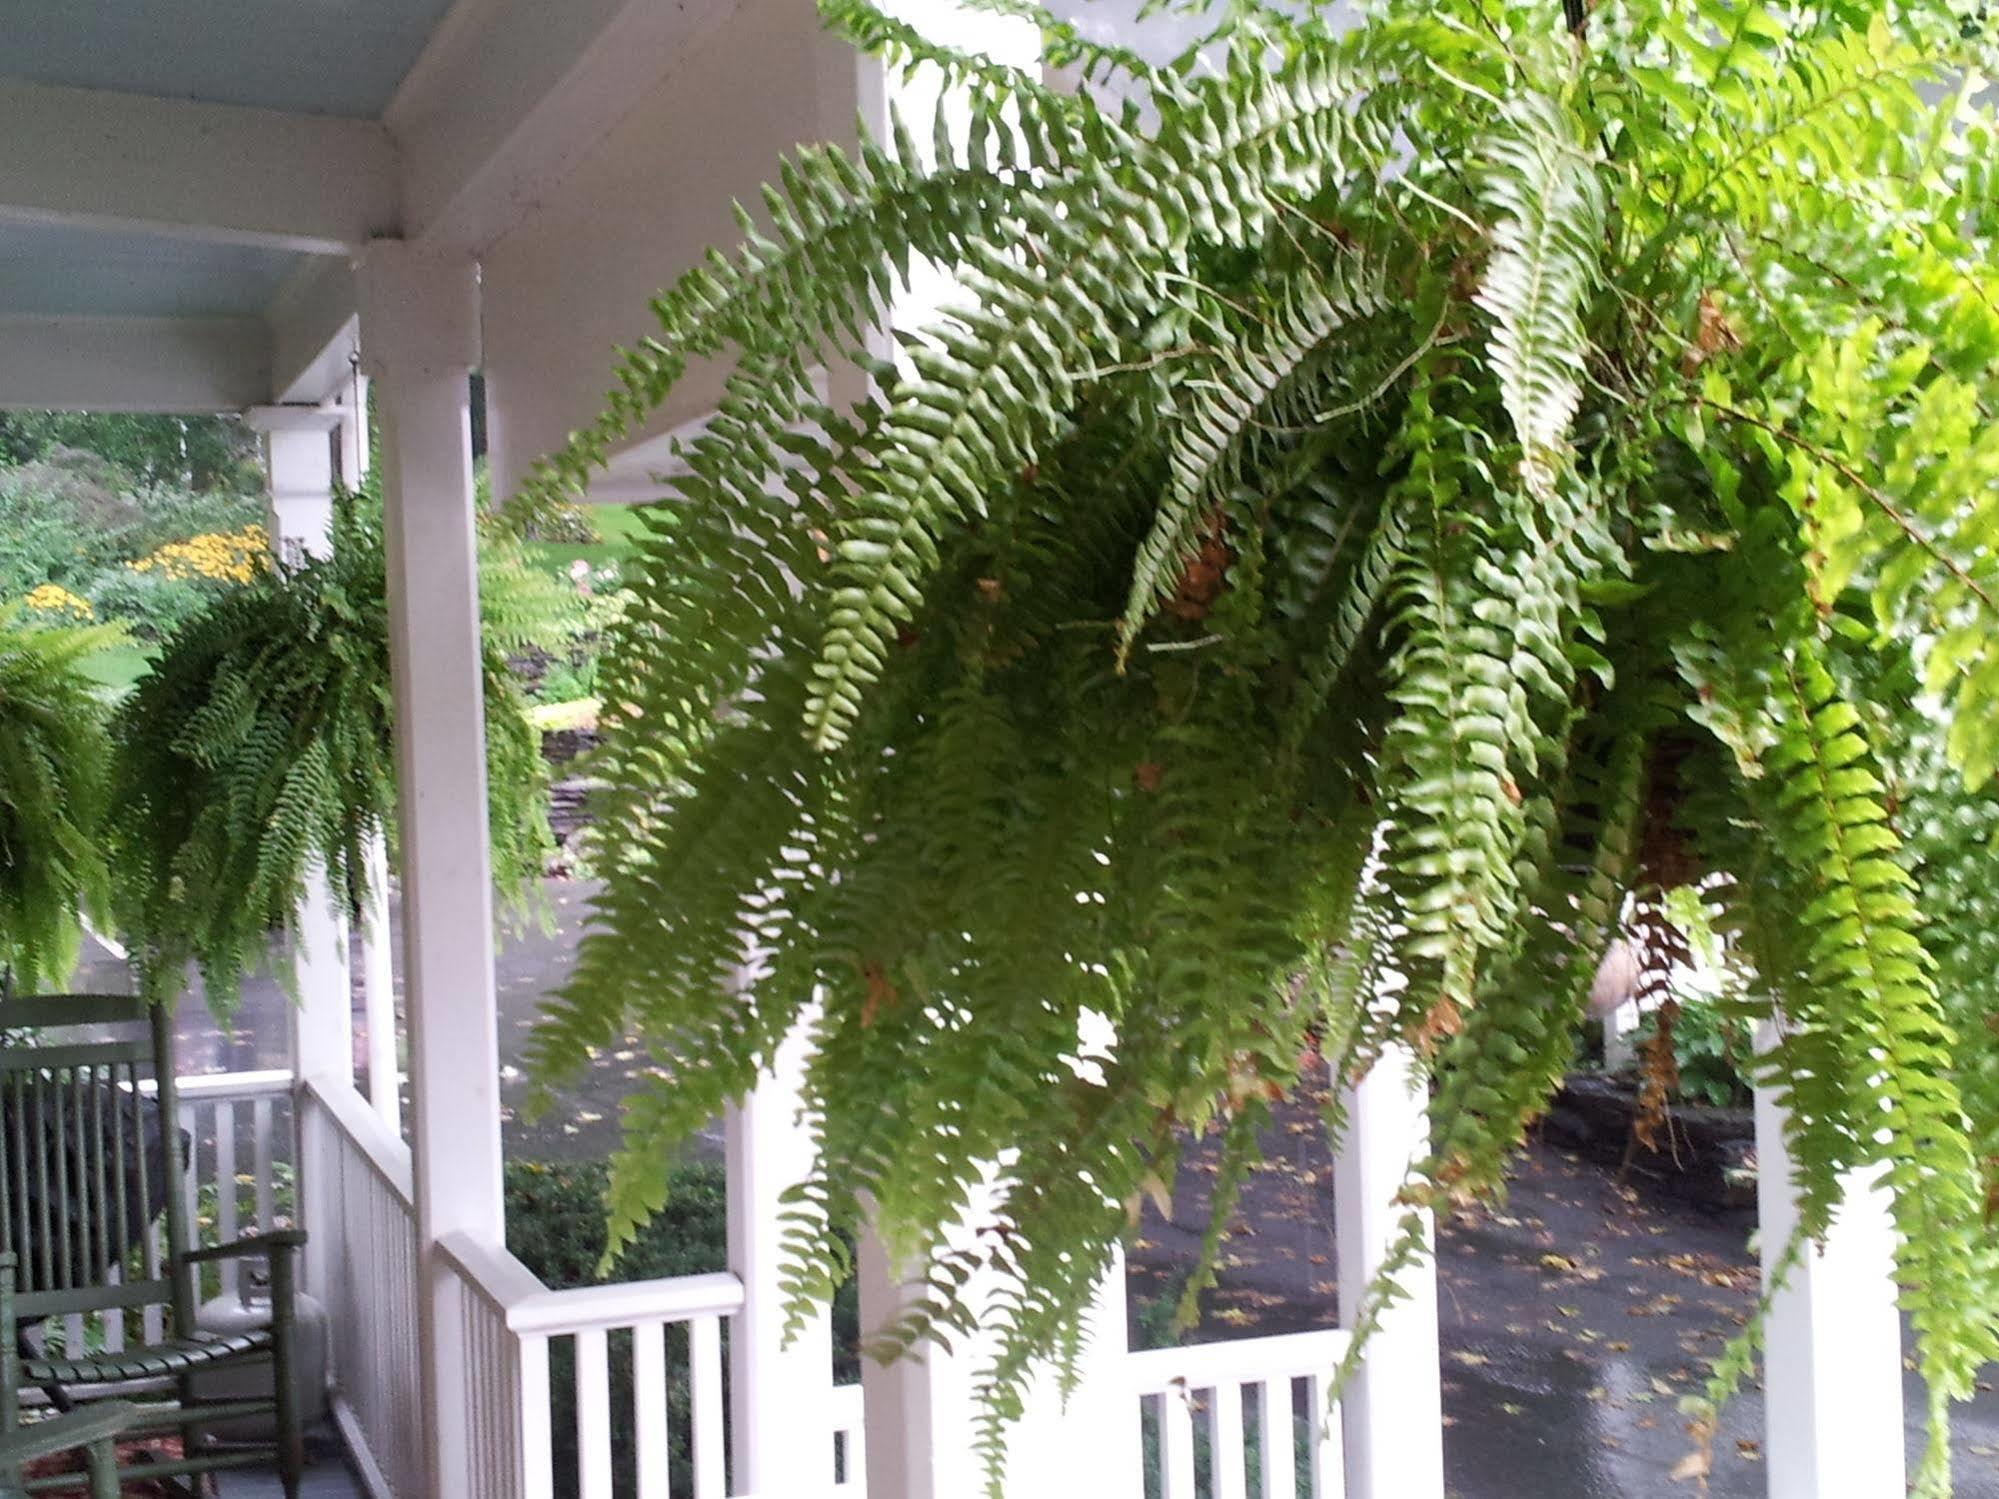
x,y
219,556
53,598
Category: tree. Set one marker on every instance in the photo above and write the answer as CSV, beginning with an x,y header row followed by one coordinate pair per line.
x,y
192,452
1396,496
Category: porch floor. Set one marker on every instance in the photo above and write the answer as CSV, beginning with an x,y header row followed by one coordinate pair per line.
x,y
327,1475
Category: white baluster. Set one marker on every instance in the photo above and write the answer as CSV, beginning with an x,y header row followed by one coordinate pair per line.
x,y
1225,1454
704,1358
537,1445
260,1131
114,1321
225,1191
856,1471
1277,1427
1329,1479
649,1407
593,1415
1176,1443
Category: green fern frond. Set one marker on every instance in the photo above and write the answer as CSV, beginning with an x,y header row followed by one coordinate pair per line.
x,y
259,749
1542,179
55,762
1189,646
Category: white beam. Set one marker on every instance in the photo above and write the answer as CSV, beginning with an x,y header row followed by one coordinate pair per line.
x,y
510,92
181,365
207,171
315,332
419,326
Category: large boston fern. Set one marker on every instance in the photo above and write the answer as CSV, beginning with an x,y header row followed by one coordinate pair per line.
x,y
55,775
1384,502
260,747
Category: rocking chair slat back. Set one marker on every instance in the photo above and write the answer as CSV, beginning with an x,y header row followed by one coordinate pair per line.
x,y
88,1159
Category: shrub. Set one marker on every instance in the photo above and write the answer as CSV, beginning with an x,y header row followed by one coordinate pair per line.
x,y
556,1226
1712,1050
153,605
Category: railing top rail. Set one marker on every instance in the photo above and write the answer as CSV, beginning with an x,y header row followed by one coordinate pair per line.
x,y
1238,1360
532,1308
639,1303
490,1270
387,1153
221,1087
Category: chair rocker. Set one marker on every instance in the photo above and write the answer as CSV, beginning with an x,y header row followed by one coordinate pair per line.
x,y
96,1431
88,1161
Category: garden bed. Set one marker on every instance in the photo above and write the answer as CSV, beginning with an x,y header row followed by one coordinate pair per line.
x,y
1705,1155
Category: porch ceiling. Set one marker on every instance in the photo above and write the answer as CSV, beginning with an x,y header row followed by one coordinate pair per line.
x,y
186,182
326,57
55,270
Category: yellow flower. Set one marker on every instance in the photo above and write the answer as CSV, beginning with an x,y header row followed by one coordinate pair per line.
x,y
52,598
219,556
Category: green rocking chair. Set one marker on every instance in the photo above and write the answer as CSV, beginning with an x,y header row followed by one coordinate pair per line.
x,y
96,1431
88,1161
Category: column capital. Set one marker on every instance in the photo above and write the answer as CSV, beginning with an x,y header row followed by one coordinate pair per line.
x,y
419,310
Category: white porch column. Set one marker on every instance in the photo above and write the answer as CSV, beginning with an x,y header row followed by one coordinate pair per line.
x,y
355,456
1832,1360
780,1394
298,443
921,1410
420,334
378,979
1391,1416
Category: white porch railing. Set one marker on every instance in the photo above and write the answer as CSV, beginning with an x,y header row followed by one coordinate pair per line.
x,y
572,1392
361,1262
1206,1383
238,1181
513,1329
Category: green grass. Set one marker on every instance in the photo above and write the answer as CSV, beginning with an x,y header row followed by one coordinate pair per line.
x,y
119,668
618,524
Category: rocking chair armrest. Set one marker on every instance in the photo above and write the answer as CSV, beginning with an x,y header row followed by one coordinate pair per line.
x,y
84,1427
279,1239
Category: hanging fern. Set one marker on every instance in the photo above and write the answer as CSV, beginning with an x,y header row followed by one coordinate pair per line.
x,y
1385,500
259,748
55,773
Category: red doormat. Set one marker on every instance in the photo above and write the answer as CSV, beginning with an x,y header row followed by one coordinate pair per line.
x,y
164,1449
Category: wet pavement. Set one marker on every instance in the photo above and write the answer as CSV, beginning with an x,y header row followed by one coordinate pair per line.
x,y
1573,1318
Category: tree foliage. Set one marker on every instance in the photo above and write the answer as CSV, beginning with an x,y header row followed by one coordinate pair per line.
x,y
200,453
1384,498
55,772
259,748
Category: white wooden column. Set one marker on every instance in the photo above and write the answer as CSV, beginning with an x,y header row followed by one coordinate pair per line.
x,y
298,442
419,334
1391,1416
1832,1360
378,979
921,1411
781,1414
298,448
